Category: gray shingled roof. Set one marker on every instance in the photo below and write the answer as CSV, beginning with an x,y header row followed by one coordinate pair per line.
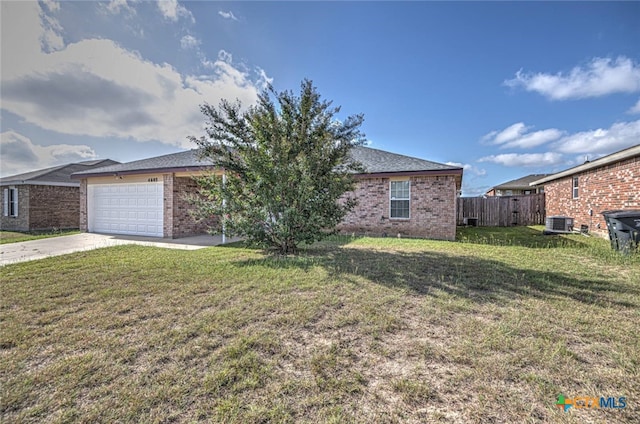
x,y
520,183
379,161
57,174
374,161
181,160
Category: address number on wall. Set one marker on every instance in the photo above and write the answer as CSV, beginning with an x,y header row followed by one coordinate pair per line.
x,y
152,180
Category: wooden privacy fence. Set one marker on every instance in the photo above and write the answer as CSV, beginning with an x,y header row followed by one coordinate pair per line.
x,y
502,211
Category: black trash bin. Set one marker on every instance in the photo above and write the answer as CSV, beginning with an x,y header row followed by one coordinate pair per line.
x,y
624,229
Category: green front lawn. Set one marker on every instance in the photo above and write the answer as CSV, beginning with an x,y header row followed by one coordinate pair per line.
x,y
489,329
15,237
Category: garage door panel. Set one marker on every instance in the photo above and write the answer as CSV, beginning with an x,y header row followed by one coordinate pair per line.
x,y
126,208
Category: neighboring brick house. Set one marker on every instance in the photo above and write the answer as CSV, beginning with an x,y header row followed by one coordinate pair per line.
x,y
397,195
583,192
45,199
518,187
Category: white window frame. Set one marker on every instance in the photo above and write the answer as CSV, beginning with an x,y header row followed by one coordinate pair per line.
x,y
10,202
392,199
575,185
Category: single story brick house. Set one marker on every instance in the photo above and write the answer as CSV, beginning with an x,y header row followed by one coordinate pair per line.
x,y
45,199
396,195
583,192
518,187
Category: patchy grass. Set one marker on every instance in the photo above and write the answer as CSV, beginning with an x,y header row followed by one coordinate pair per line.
x,y
15,237
353,330
531,236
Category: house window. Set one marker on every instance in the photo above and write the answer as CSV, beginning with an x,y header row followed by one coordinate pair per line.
x,y
400,199
575,187
10,201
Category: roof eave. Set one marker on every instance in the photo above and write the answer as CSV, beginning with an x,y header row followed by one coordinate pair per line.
x,y
455,172
40,183
79,176
431,172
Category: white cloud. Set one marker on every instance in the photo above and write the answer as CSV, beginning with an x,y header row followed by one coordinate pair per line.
x,y
189,42
635,109
474,191
225,56
601,141
591,144
173,10
470,180
263,78
518,136
51,38
117,6
600,77
510,133
52,5
20,154
78,90
525,159
227,15
469,168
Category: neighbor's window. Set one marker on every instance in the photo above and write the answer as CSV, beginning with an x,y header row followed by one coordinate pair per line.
x,y
10,204
575,187
400,199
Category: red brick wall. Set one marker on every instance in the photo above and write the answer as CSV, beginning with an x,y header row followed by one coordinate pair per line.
x,y
611,187
20,222
184,224
53,207
432,209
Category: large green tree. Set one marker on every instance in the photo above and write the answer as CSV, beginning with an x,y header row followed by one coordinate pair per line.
x,y
286,168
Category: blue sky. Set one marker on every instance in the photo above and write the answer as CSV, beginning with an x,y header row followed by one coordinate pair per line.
x,y
504,89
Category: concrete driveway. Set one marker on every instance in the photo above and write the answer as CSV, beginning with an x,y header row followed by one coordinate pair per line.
x,y
54,246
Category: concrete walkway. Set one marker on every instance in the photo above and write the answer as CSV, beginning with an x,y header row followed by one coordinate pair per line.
x,y
54,246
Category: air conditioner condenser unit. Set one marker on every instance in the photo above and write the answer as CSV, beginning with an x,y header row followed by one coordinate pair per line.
x,y
558,225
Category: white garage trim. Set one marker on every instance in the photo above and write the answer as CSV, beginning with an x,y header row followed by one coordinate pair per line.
x,y
126,208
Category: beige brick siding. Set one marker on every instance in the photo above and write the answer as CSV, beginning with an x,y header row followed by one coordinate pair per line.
x,y
610,187
84,223
167,212
432,209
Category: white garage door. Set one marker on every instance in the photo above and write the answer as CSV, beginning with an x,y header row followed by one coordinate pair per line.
x,y
131,208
